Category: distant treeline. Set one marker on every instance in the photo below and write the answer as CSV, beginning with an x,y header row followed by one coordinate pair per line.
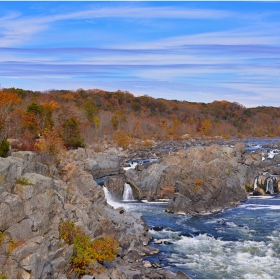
x,y
82,116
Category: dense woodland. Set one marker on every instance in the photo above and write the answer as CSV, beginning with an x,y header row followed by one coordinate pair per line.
x,y
76,118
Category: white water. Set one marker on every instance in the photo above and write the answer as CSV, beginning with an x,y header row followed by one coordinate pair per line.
x,y
132,166
127,193
272,153
127,196
255,183
239,243
269,186
110,199
251,259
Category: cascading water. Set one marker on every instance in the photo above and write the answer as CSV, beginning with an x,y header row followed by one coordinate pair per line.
x,y
132,166
127,193
269,186
241,242
108,195
256,182
110,199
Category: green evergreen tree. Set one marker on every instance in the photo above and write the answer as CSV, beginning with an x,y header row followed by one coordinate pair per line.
x,y
4,148
35,109
71,134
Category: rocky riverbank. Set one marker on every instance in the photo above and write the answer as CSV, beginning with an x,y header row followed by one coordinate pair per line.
x,y
35,199
202,179
32,206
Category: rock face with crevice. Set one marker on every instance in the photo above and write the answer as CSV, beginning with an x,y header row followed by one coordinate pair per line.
x,y
31,213
213,178
158,180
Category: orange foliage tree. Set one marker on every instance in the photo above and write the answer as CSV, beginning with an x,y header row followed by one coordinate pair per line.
x,y
206,126
49,146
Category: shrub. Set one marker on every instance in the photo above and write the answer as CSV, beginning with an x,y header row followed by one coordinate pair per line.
x,y
2,234
4,148
13,245
3,276
122,139
49,146
147,144
84,254
24,181
85,251
68,231
197,184
106,248
25,143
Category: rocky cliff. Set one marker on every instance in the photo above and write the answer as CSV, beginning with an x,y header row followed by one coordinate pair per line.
x,y
32,206
205,179
213,178
35,199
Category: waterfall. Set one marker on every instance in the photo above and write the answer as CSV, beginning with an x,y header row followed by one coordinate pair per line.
x,y
256,182
132,166
108,195
127,193
269,186
110,199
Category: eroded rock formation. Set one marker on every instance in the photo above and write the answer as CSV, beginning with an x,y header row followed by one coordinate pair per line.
x,y
32,209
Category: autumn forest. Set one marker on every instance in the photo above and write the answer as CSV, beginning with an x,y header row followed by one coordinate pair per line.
x,y
77,118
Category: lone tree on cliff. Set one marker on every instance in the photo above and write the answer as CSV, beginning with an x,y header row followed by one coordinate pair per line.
x,y
71,134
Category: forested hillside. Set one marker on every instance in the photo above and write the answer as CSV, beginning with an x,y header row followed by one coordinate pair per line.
x,y
76,118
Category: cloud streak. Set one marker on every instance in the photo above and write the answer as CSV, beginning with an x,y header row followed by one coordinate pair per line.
x,y
177,50
17,29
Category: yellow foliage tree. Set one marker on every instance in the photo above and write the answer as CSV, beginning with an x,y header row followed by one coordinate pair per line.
x,y
206,126
122,139
49,146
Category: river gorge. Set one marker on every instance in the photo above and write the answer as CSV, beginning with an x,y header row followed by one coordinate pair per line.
x,y
202,210
242,242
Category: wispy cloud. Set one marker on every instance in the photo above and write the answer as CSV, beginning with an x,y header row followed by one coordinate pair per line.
x,y
183,58
17,29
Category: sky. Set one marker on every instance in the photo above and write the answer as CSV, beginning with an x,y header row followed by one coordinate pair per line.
x,y
187,50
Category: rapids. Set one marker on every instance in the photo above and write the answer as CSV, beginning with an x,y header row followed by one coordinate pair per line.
x,y
243,242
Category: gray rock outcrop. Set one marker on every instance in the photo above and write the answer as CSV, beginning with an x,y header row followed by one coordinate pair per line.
x,y
97,164
158,180
31,212
212,179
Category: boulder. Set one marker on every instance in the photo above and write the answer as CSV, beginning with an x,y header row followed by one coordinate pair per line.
x,y
11,210
181,275
115,185
31,214
158,180
212,179
258,191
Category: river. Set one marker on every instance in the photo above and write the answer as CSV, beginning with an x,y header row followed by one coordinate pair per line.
x,y
243,242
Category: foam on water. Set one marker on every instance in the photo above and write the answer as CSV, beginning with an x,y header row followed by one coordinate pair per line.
x,y
260,207
110,199
231,259
153,202
272,153
132,166
242,242
260,197
165,235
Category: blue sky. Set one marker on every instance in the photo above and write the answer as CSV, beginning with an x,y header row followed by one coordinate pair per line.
x,y
194,51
